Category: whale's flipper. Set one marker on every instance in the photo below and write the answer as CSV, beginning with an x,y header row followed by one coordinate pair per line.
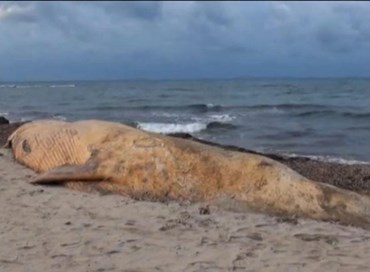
x,y
82,172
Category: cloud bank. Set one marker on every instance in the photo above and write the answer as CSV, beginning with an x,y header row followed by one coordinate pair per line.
x,y
112,40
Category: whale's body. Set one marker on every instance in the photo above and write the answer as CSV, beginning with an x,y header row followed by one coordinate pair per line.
x,y
117,158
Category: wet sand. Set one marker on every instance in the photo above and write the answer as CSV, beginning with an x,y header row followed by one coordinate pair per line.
x,y
56,229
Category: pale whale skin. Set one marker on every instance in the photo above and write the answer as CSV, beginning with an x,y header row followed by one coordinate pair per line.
x,y
117,158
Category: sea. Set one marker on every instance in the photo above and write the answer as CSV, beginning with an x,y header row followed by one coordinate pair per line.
x,y
322,118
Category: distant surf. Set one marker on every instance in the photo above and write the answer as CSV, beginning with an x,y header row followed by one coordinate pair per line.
x,y
168,128
63,86
330,159
199,108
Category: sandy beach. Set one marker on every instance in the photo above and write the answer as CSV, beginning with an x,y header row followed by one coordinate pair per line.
x,y
56,229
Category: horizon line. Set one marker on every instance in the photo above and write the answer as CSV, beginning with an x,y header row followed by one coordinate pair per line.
x,y
188,79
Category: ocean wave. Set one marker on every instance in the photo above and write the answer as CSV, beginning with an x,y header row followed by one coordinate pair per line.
x,y
283,106
203,107
167,128
198,108
278,85
101,108
165,114
36,115
354,115
223,118
63,86
7,86
259,107
216,108
220,125
314,113
179,89
326,159
194,127
27,118
28,86
24,86
59,117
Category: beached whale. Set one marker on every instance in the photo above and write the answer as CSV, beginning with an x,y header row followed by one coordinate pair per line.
x,y
117,158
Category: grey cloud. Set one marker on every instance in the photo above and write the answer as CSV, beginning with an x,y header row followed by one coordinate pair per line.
x,y
213,12
180,39
137,9
336,27
17,12
348,29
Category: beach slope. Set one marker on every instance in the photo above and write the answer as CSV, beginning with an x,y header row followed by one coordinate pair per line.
x,y
57,229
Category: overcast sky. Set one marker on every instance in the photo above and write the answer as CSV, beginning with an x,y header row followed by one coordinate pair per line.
x,y
118,40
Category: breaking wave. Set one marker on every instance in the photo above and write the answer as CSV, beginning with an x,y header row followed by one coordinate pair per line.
x,y
63,86
194,127
326,159
199,108
353,115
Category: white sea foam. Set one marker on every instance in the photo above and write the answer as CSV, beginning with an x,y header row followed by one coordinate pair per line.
x,y
27,118
166,114
222,117
326,159
63,86
210,105
59,117
27,86
172,128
